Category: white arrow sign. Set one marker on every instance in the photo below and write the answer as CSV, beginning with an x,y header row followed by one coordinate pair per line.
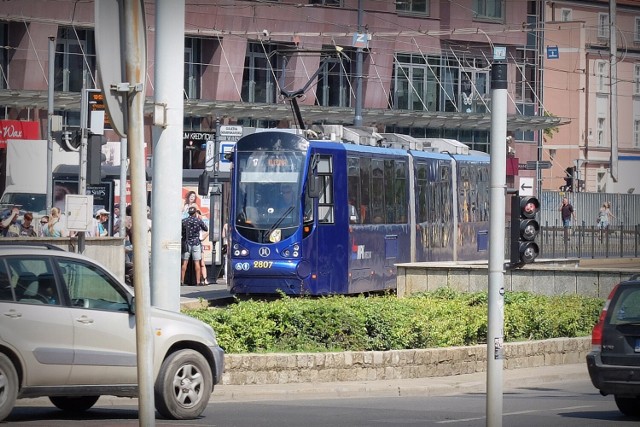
x,y
526,186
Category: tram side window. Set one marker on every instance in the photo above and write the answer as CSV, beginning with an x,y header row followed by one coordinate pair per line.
x,y
423,200
377,183
400,189
353,190
326,203
389,196
483,194
443,204
464,192
365,190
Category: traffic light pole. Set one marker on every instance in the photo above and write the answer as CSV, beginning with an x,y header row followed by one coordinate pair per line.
x,y
498,189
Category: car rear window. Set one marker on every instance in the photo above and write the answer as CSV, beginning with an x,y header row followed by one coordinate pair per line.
x,y
627,306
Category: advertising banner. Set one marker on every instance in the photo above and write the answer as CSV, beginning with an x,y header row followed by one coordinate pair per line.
x,y
18,129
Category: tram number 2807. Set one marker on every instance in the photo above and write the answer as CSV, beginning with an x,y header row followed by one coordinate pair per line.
x,y
262,264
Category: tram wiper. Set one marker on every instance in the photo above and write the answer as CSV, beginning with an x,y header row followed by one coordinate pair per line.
x,y
279,221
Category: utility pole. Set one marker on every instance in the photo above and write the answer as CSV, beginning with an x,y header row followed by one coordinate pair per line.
x,y
167,155
613,86
498,190
52,58
135,73
357,121
121,53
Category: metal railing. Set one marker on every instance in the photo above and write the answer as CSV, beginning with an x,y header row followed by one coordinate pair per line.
x,y
589,242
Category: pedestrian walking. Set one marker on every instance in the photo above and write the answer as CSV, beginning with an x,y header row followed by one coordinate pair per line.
x,y
604,218
567,213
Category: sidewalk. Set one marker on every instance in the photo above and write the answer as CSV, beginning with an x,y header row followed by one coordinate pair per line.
x,y
193,297
434,386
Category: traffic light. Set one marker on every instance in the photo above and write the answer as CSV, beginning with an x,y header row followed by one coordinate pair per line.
x,y
95,158
203,184
524,229
570,171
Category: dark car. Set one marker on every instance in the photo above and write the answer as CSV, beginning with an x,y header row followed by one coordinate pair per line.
x,y
614,361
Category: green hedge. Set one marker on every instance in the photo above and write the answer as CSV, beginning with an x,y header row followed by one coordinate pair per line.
x,y
442,318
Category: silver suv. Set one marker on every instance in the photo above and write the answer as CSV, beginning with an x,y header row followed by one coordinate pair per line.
x,y
67,331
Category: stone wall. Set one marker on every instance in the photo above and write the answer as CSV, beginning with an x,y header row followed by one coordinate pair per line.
x,y
242,369
547,278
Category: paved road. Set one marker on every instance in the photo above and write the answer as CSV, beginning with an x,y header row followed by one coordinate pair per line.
x,y
533,397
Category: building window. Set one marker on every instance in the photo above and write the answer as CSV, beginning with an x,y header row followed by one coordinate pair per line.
x,y
260,81
464,90
636,31
334,3
566,15
415,83
413,6
192,67
603,25
489,9
525,75
601,132
4,55
601,76
636,122
525,109
636,79
334,81
75,60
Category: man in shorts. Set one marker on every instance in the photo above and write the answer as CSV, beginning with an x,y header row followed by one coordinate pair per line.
x,y
191,247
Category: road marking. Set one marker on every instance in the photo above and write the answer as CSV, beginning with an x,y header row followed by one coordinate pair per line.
x,y
464,420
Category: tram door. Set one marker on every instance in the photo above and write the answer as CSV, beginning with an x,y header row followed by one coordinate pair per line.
x,y
329,245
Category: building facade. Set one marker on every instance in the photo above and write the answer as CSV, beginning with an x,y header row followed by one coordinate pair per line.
x,y
594,81
425,71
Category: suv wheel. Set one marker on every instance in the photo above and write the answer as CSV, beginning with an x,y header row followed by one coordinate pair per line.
x,y
8,386
183,386
74,403
630,406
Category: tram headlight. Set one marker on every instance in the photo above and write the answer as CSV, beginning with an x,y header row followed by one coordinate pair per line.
x,y
292,251
240,251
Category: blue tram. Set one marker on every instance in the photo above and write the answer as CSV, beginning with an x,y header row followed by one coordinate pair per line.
x,y
315,217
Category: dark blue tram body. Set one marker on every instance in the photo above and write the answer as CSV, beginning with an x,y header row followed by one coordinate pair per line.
x,y
322,217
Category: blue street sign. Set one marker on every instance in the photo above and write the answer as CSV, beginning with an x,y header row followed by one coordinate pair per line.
x,y
553,52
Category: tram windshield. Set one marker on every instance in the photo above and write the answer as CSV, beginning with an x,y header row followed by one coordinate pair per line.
x,y
268,194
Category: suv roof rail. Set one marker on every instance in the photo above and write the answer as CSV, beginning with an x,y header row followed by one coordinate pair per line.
x,y
48,246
